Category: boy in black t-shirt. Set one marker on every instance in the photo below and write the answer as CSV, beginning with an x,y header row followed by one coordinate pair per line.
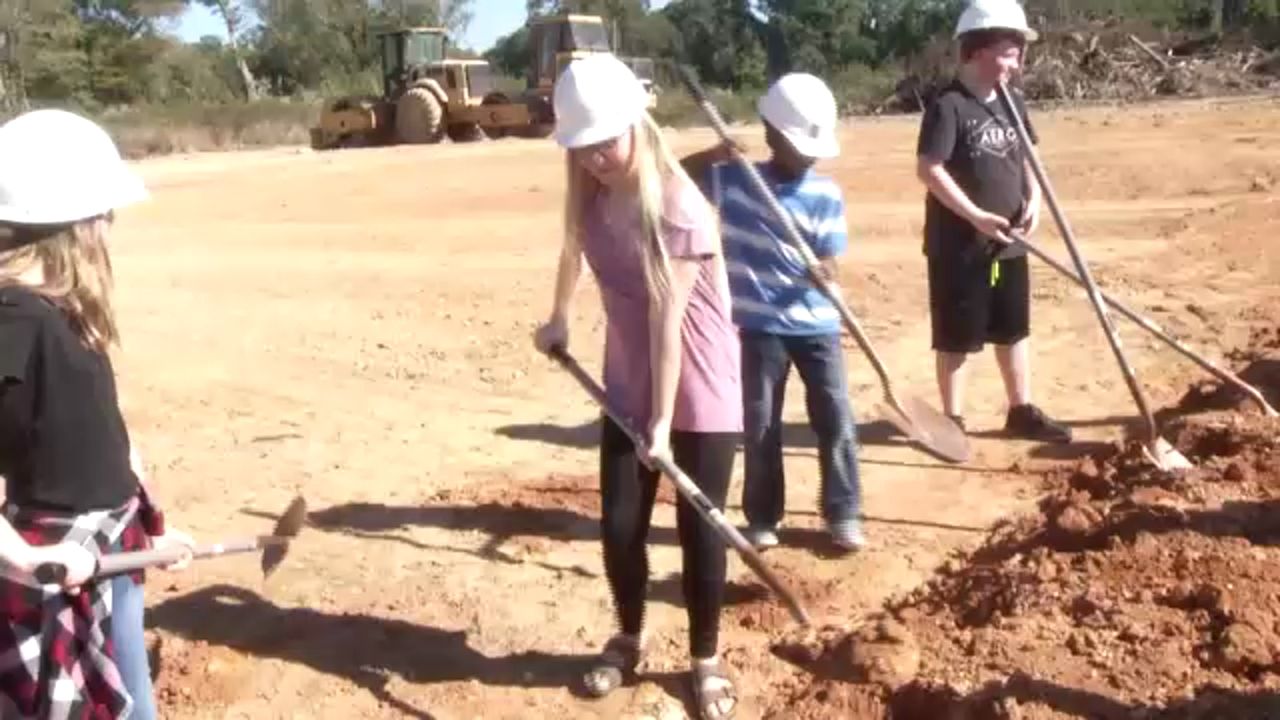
x,y
980,187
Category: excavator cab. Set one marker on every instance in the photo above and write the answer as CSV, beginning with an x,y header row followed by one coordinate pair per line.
x,y
557,40
408,53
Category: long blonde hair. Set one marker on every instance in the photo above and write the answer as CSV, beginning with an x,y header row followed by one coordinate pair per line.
x,y
656,166
76,269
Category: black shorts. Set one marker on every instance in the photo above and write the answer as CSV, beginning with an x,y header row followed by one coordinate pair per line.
x,y
967,311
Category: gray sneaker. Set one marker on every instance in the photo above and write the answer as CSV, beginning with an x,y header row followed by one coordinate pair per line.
x,y
763,537
847,534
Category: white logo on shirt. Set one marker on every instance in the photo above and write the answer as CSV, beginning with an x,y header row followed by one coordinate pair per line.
x,y
991,137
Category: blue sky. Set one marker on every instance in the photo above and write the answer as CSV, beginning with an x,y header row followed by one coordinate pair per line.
x,y
492,19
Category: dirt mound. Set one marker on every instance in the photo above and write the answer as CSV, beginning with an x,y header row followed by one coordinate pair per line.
x,y
195,674
1133,592
1259,366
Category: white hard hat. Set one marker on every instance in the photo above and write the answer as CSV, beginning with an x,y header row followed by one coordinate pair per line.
x,y
995,15
596,98
57,167
802,108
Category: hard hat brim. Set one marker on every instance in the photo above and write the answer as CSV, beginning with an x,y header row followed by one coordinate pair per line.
x,y
578,137
125,190
1027,33
822,147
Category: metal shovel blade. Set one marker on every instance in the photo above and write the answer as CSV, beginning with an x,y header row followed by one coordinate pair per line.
x,y
1165,456
289,525
932,430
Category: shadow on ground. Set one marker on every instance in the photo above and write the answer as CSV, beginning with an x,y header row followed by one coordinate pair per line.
x,y
364,649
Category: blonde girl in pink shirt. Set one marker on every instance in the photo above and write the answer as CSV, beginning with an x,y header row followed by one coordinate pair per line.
x,y
671,355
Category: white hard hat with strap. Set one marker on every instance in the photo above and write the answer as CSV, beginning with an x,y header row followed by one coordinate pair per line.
x,y
57,167
995,15
597,98
802,108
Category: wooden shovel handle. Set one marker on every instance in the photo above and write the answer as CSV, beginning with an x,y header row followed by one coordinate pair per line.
x,y
112,565
127,562
688,489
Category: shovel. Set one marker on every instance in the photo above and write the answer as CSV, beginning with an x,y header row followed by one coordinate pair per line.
x,y
1157,449
911,415
687,488
1151,327
273,546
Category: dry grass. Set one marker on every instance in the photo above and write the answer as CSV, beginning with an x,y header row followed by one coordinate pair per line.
x,y
157,130
148,130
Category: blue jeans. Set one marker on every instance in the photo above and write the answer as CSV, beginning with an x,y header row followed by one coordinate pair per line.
x,y
127,606
766,363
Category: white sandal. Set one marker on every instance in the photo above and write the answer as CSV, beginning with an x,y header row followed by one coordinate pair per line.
x,y
711,688
614,666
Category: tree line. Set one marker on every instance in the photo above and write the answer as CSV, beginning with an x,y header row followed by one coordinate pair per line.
x,y
108,53
741,44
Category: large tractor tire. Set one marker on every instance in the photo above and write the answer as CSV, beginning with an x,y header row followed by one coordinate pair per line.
x,y
542,118
419,117
495,133
345,122
465,132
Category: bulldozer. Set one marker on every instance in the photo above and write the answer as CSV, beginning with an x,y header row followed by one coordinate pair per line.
x,y
427,96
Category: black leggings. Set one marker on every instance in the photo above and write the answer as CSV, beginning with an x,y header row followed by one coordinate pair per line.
x,y
627,491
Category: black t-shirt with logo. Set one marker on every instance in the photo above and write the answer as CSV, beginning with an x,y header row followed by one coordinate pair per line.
x,y
978,145
63,442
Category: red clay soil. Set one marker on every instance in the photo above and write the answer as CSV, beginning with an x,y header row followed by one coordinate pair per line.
x,y
1132,593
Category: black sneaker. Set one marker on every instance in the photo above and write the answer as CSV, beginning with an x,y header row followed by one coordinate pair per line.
x,y
1030,423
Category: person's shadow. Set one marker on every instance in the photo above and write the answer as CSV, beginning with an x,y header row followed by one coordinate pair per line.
x,y
585,436
362,648
500,522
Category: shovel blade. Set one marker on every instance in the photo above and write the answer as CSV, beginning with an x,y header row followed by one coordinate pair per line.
x,y
933,430
1165,456
289,525
272,555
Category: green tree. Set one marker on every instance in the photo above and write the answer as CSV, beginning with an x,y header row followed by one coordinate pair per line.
x,y
820,36
510,54
234,17
42,60
721,39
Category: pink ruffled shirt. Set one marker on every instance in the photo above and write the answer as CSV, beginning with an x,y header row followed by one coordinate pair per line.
x,y
709,394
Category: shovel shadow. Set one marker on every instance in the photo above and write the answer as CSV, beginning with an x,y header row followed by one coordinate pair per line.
x,y
586,436
580,437
500,522
363,649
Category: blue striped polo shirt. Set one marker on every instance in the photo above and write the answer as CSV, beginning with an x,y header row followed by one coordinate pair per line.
x,y
767,277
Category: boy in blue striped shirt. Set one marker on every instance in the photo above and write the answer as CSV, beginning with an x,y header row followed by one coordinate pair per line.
x,y
783,319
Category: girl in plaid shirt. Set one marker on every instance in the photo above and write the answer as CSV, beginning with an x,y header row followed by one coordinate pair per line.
x,y
72,479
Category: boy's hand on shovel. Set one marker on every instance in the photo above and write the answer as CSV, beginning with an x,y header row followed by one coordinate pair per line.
x,y
727,148
1030,220
990,224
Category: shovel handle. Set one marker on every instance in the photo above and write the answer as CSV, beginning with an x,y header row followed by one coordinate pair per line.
x,y
1153,328
688,489
1095,296
790,231
112,565
127,562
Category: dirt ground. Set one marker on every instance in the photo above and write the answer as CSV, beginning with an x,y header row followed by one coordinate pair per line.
x,y
355,327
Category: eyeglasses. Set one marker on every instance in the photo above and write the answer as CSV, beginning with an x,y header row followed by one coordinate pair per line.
x,y
588,151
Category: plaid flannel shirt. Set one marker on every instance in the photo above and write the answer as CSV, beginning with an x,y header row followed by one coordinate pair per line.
x,y
57,660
